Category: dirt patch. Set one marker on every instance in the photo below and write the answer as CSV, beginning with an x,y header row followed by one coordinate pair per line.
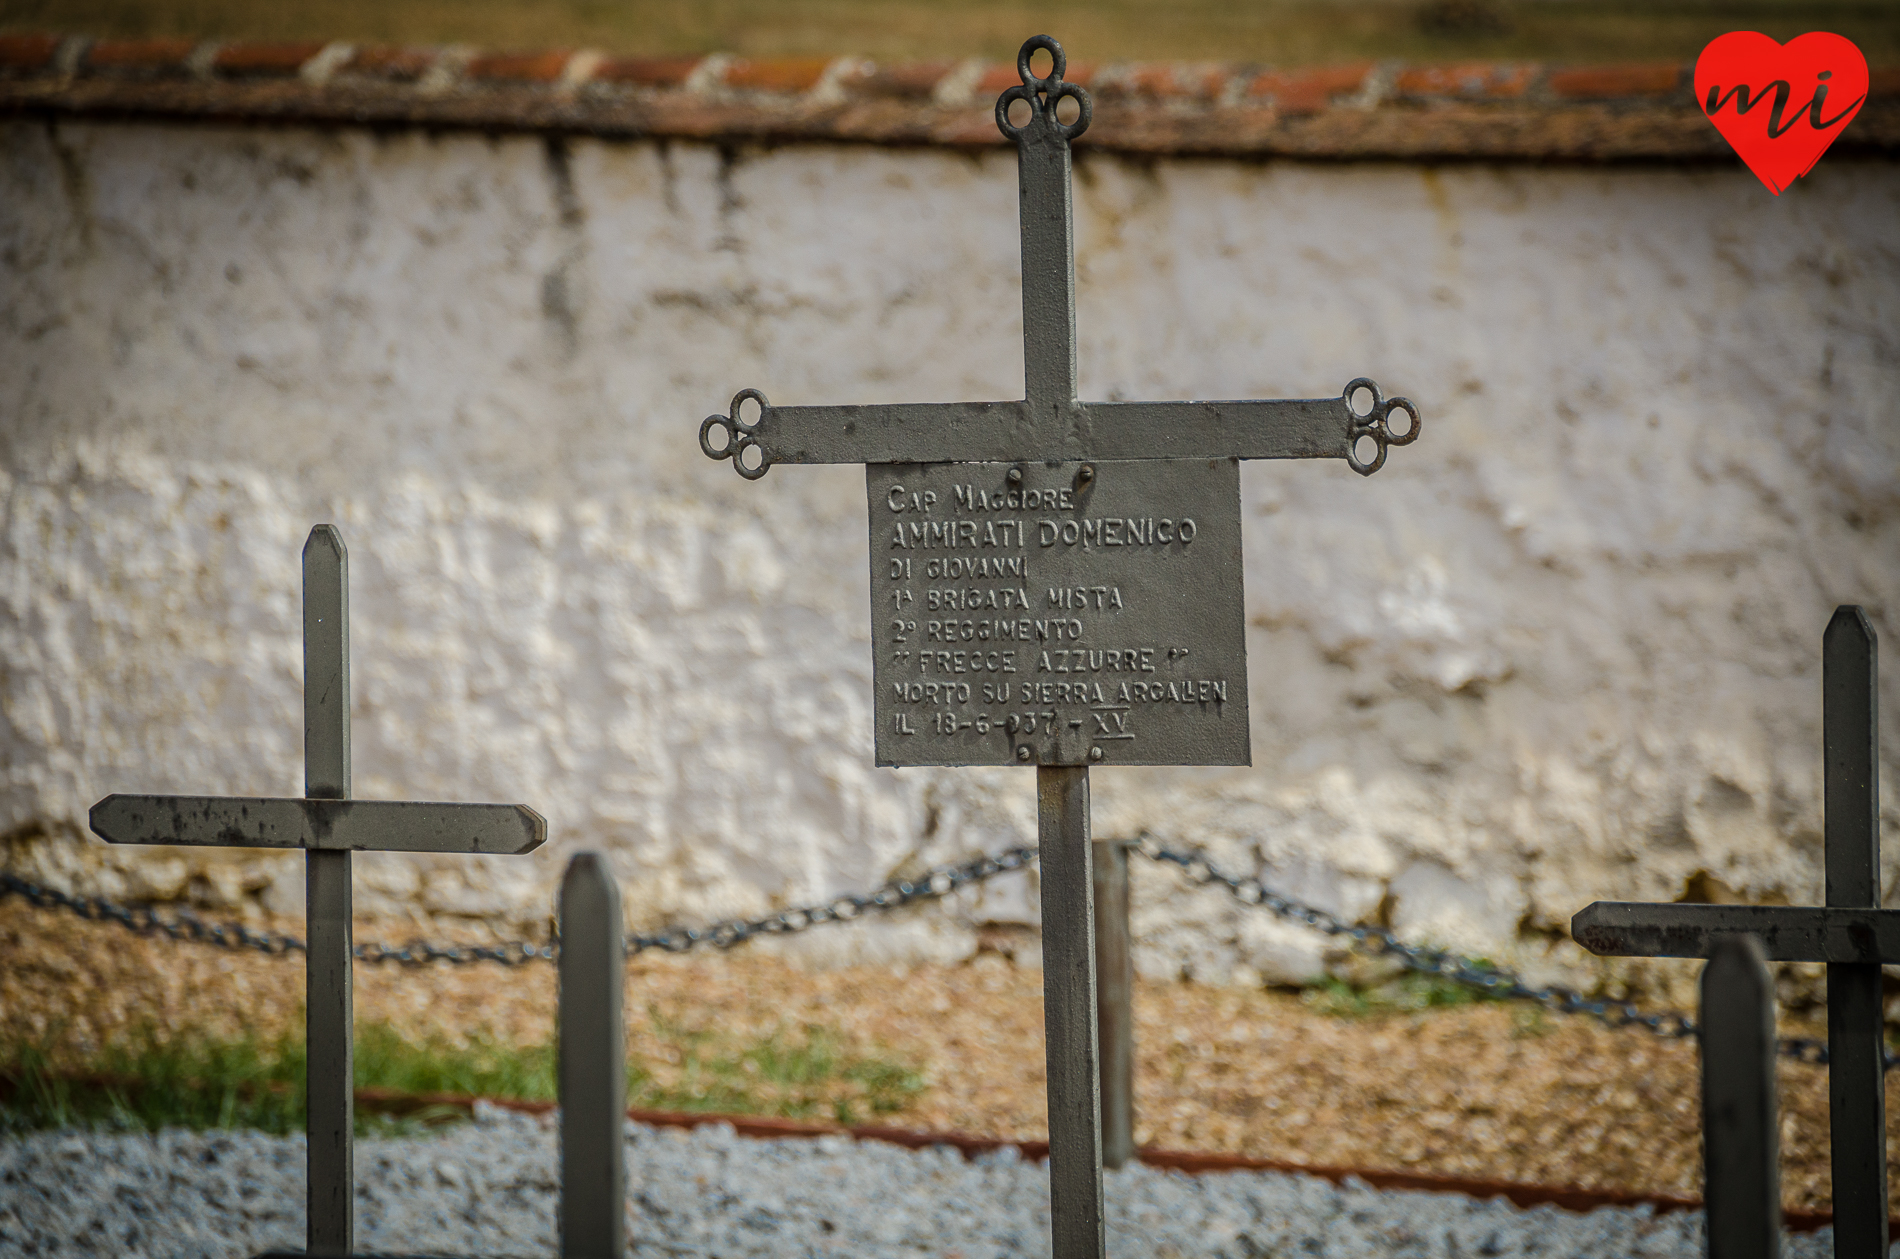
x,y
1483,1091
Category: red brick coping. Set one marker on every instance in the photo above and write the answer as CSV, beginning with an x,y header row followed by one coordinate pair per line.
x,y
1491,111
1568,1197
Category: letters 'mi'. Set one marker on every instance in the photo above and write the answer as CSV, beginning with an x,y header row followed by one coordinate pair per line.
x,y
1057,583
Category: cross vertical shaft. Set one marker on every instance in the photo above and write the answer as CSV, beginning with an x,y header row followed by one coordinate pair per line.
x,y
327,901
1068,1003
1855,1023
1048,248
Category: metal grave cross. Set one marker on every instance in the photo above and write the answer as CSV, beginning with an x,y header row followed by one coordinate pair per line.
x,y
1851,933
329,826
1058,583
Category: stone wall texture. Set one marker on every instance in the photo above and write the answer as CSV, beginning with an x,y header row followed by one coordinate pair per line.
x,y
1564,648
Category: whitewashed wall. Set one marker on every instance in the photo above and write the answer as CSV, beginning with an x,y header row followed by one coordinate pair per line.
x,y
1566,647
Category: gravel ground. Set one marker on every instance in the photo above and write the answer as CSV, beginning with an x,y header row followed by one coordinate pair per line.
x,y
491,1188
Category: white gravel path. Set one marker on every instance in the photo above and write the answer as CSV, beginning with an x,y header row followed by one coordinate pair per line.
x,y
490,1188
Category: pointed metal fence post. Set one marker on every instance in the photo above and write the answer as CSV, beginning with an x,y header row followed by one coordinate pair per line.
x,y
1740,1136
593,1038
1114,999
329,1048
1856,1026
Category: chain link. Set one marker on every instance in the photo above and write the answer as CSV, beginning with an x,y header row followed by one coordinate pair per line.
x,y
184,925
933,886
1481,976
145,920
1467,972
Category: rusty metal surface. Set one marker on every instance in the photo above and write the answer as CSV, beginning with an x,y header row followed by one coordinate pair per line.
x,y
1058,614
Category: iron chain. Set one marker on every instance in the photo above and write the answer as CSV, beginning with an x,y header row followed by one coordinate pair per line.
x,y
1493,981
185,925
1481,976
935,885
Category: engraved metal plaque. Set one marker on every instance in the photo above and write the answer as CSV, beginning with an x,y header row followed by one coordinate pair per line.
x,y
1068,613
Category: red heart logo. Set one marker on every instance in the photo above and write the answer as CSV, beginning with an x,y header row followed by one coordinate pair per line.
x,y
1780,105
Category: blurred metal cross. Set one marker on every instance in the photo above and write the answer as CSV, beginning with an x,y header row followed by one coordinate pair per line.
x,y
1851,933
329,826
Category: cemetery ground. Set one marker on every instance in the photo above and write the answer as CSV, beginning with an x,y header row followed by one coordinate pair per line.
x,y
1404,1075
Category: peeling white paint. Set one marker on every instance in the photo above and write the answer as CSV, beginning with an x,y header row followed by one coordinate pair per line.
x,y
1566,647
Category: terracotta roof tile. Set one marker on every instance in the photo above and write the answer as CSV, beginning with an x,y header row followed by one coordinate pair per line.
x,y
149,55
1482,111
1472,80
518,67
1080,73
402,65
264,59
1003,75
997,78
28,52
790,74
660,72
1311,90
1600,83
1163,80
911,80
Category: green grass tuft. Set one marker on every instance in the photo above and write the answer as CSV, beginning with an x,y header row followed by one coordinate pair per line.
x,y
182,1082
145,1082
1410,992
795,1075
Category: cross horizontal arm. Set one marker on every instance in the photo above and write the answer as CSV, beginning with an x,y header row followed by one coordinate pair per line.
x,y
1787,933
928,432
989,432
335,825
1284,428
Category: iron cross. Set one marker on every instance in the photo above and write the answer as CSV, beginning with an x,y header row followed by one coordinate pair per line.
x,y
329,826
1058,583
1851,933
